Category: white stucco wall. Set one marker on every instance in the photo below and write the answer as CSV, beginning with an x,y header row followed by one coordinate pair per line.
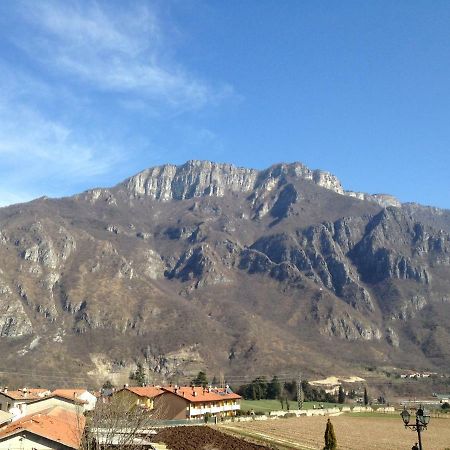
x,y
27,443
90,399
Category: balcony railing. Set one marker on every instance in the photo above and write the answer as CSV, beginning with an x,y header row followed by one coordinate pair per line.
x,y
213,409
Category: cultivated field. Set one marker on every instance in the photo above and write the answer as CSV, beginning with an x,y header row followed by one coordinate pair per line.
x,y
202,438
352,432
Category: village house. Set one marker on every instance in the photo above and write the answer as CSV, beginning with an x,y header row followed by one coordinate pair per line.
x,y
182,402
172,402
196,402
69,403
52,429
13,399
135,395
80,394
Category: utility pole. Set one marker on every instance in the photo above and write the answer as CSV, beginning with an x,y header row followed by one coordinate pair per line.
x,y
299,391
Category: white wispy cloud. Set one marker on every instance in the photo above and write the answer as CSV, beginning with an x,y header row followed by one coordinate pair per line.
x,y
121,51
28,138
37,150
54,135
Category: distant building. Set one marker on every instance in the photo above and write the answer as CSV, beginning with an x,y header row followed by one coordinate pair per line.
x,y
443,398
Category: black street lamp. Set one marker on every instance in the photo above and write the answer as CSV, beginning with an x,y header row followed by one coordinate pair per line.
x,y
422,420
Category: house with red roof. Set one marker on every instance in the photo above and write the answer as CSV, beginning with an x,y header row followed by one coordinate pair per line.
x,y
136,395
13,399
196,402
173,402
55,428
84,395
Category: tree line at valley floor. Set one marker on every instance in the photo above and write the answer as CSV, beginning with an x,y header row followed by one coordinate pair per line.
x,y
261,388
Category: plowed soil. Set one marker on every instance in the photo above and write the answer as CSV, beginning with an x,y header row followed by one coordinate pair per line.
x,y
202,438
353,432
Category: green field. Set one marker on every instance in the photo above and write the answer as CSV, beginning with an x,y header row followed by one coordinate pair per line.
x,y
275,405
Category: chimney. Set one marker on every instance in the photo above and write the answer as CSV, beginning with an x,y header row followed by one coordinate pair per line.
x,y
5,390
23,409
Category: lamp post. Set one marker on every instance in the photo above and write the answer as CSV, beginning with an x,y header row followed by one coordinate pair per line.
x,y
422,420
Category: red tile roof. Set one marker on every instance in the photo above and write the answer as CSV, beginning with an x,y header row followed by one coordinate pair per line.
x,y
28,394
198,394
56,424
76,391
145,391
71,398
69,392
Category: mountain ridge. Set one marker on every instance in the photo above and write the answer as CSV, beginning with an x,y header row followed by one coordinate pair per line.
x,y
293,262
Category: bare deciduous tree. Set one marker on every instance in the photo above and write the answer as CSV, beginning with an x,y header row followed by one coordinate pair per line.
x,y
119,424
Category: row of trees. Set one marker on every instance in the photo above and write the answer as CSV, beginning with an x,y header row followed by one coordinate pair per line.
x,y
274,389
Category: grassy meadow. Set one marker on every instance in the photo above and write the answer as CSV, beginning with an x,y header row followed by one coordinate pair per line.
x,y
275,405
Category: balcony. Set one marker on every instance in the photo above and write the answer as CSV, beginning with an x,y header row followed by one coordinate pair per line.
x,y
213,409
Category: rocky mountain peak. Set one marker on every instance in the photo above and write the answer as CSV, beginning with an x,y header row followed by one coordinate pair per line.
x,y
206,178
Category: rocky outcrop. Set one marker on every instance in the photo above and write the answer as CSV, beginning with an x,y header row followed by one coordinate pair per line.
x,y
319,253
14,321
385,250
206,179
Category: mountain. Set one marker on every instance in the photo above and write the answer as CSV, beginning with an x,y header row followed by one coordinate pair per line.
x,y
234,270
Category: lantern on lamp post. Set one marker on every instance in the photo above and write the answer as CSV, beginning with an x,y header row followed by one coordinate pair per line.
x,y
421,422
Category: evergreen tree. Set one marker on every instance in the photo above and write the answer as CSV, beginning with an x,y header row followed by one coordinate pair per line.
x,y
255,392
291,388
107,385
200,379
259,388
366,397
274,388
330,437
341,395
139,375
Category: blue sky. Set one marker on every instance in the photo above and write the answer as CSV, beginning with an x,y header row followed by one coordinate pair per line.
x,y
93,92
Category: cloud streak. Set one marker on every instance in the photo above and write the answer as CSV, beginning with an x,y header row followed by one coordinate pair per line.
x,y
119,52
29,139
76,77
